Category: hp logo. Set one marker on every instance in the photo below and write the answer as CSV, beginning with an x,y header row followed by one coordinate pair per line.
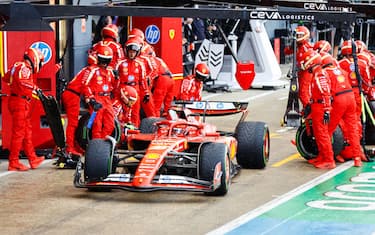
x,y
45,49
152,34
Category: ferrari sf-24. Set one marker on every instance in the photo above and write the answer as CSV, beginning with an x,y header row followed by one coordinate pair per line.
x,y
182,152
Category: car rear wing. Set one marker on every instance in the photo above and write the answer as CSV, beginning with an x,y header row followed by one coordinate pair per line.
x,y
216,108
212,108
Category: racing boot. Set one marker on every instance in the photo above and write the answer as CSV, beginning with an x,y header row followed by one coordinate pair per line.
x,y
73,151
325,163
340,159
35,161
357,161
364,157
15,165
315,160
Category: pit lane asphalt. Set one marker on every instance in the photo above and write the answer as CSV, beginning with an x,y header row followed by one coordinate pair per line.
x,y
44,201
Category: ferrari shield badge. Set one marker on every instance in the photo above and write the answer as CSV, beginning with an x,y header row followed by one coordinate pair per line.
x,y
172,33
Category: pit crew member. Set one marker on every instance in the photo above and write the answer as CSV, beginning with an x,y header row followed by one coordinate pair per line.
x,y
21,78
110,35
71,98
98,91
343,109
192,85
320,102
132,73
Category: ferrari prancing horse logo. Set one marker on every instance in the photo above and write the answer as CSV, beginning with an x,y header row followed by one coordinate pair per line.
x,y
172,33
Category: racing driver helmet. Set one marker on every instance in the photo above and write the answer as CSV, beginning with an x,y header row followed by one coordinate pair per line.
x,y
322,46
132,44
92,58
346,48
35,57
310,59
202,72
302,34
135,32
104,54
129,95
361,46
327,59
110,31
365,57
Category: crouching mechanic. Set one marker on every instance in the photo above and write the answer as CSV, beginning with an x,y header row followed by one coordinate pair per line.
x,y
71,98
125,98
192,85
20,78
97,92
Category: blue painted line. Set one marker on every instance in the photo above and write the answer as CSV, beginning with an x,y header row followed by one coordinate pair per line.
x,y
268,226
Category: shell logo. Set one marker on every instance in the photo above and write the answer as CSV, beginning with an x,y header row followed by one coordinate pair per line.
x,y
340,78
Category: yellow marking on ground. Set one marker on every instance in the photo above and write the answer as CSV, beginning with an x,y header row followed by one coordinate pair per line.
x,y
286,160
272,135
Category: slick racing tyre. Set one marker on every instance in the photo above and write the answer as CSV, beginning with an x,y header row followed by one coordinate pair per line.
x,y
210,154
253,144
370,134
83,134
307,147
98,160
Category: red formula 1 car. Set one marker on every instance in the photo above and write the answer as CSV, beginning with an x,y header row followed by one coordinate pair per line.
x,y
182,153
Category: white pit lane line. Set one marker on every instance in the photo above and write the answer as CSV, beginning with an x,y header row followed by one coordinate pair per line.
x,y
11,172
206,97
278,201
259,95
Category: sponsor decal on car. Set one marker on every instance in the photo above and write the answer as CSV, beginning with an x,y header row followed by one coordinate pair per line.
x,y
217,175
152,155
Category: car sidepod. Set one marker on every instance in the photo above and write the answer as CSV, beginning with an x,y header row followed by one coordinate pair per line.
x,y
214,165
253,144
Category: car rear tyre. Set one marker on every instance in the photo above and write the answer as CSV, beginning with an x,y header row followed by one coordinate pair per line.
x,y
253,144
210,154
370,128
